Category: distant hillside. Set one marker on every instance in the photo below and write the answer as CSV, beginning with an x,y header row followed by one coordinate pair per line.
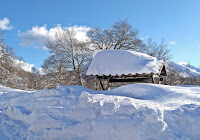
x,y
185,69
20,75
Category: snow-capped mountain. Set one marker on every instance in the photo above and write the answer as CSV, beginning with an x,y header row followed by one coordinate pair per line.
x,y
24,65
185,69
27,67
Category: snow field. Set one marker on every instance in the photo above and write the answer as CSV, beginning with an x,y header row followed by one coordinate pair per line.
x,y
138,112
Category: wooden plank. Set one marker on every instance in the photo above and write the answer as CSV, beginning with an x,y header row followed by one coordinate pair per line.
x,y
130,80
125,76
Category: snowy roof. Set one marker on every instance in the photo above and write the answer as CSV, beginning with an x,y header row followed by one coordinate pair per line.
x,y
118,62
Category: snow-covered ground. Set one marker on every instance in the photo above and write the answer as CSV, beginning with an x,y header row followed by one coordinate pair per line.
x,y
135,112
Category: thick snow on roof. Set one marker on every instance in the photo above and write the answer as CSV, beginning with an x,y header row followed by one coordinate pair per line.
x,y
118,62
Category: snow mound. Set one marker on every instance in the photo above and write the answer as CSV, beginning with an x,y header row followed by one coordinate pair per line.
x,y
118,62
140,91
135,112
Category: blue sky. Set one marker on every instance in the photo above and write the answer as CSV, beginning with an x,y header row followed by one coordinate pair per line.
x,y
176,21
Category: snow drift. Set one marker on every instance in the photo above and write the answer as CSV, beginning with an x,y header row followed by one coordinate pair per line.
x,y
138,111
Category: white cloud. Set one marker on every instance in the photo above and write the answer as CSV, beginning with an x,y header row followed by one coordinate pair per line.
x,y
4,24
81,32
143,38
37,36
172,42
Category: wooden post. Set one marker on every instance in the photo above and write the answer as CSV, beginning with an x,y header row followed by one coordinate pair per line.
x,y
97,84
153,81
107,84
101,83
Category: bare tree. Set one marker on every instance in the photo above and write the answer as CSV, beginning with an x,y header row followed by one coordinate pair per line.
x,y
123,36
5,52
5,59
120,36
11,74
157,50
67,53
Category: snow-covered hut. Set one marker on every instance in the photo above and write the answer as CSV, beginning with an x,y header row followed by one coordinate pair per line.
x,y
126,66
